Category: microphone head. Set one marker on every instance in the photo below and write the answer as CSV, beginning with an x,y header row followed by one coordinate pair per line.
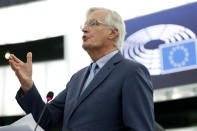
x,y
50,95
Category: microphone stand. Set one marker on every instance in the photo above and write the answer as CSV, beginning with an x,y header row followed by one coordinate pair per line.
x,y
49,97
41,115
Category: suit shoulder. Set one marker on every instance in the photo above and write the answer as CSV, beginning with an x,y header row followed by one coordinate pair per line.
x,y
133,66
131,63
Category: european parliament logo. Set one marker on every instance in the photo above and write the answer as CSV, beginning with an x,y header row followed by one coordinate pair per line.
x,y
179,56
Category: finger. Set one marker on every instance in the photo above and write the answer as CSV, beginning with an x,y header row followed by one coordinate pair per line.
x,y
29,58
12,56
13,65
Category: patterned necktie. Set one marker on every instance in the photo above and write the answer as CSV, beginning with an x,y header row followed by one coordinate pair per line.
x,y
90,77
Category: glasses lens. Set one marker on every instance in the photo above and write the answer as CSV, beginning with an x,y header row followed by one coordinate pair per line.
x,y
92,23
89,24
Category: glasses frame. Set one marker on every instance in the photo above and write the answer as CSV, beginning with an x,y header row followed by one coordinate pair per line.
x,y
93,23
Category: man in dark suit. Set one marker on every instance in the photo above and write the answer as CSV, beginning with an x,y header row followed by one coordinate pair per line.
x,y
112,94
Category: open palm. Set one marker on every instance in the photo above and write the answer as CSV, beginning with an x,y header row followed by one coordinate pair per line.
x,y
23,71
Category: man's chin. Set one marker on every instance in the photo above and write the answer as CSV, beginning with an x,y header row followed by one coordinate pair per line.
x,y
85,46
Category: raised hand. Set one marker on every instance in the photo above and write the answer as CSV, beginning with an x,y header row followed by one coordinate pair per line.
x,y
23,71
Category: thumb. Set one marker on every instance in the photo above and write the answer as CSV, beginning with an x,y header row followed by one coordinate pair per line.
x,y
29,58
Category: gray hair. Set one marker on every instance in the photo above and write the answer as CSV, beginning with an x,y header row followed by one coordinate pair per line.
x,y
113,21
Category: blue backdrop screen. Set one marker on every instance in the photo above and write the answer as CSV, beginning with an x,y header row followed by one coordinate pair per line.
x,y
165,42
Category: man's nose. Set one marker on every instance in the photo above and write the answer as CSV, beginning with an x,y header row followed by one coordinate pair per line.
x,y
84,29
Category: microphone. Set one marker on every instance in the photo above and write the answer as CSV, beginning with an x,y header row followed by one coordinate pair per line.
x,y
49,97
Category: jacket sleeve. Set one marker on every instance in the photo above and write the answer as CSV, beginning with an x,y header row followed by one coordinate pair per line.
x,y
32,102
137,100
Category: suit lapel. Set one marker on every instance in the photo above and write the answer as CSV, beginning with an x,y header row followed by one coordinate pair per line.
x,y
76,90
81,82
100,76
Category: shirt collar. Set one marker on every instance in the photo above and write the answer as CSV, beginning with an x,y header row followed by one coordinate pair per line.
x,y
103,60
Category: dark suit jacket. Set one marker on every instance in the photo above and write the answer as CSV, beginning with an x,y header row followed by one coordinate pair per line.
x,y
119,98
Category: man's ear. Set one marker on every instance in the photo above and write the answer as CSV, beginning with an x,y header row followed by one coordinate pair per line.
x,y
113,34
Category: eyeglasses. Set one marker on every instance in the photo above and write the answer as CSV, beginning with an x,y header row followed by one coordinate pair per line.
x,y
92,24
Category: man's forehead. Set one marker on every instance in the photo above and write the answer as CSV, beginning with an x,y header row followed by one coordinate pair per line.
x,y
97,15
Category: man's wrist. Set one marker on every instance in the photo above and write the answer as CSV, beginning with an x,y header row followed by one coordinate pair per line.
x,y
27,87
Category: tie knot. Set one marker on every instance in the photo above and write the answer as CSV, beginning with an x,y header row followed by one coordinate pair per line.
x,y
93,67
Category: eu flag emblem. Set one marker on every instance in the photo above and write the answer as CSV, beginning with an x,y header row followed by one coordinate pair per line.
x,y
178,56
